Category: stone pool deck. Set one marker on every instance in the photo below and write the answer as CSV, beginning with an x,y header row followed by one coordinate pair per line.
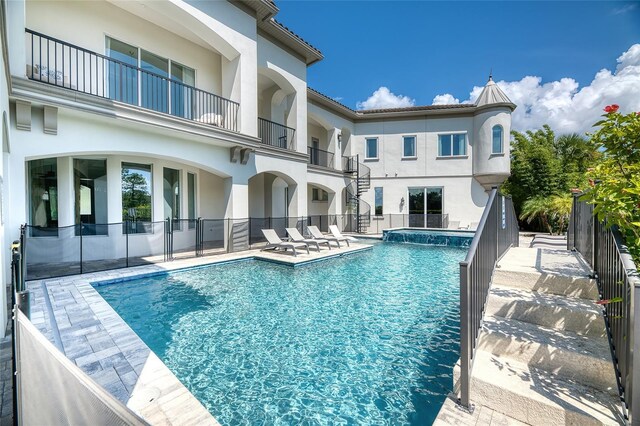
x,y
82,325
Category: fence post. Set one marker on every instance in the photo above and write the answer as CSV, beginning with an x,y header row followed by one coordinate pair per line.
x,y
81,247
126,233
465,331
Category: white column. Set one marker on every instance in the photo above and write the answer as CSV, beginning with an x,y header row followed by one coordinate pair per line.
x,y
114,190
157,182
333,147
236,192
66,193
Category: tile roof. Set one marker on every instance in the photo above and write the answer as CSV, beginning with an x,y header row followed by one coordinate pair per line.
x,y
415,108
284,27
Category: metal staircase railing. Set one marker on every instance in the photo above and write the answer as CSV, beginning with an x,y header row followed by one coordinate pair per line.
x,y
354,191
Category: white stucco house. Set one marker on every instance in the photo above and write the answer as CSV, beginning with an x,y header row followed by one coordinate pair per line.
x,y
117,111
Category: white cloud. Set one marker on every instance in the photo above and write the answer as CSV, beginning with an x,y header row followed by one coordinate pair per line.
x,y
445,99
624,9
384,98
565,106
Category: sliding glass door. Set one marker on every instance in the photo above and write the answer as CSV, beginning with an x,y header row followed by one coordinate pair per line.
x,y
426,207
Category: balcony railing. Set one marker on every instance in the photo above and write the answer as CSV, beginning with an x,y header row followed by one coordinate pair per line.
x,y
274,134
318,157
62,64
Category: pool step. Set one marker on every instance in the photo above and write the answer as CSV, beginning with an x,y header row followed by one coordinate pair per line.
x,y
580,316
547,271
536,397
584,359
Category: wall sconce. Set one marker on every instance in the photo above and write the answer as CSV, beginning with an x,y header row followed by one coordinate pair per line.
x,y
401,203
339,137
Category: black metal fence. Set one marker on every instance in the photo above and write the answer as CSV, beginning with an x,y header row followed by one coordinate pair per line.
x,y
603,247
496,233
319,157
274,134
62,64
83,248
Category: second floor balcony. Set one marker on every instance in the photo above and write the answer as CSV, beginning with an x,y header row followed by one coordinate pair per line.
x,y
159,86
274,134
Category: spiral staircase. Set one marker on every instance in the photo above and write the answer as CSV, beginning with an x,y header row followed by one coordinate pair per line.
x,y
361,183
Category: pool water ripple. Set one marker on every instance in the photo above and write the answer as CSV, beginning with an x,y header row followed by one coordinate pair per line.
x,y
364,339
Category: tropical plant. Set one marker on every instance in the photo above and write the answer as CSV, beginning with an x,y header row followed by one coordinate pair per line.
x,y
615,179
552,212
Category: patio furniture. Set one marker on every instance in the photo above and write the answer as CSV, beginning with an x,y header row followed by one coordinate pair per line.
x,y
298,238
338,235
317,235
274,242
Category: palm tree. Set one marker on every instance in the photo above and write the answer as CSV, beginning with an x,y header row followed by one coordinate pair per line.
x,y
537,208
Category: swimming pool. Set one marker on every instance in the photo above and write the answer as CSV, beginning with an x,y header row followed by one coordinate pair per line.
x,y
367,338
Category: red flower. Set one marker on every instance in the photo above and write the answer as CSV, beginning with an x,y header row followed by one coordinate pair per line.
x,y
609,109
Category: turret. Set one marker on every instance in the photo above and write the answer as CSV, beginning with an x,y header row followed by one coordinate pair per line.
x,y
491,143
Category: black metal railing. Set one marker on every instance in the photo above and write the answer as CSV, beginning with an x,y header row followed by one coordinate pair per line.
x,y
318,157
497,231
62,64
604,249
274,134
68,250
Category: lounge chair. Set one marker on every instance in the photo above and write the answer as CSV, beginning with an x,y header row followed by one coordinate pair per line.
x,y
454,224
473,226
298,238
274,242
317,235
464,225
337,234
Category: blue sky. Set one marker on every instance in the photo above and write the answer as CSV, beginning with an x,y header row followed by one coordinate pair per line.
x,y
421,49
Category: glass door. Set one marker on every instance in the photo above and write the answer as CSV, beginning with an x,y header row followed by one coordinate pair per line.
x,y
122,72
434,208
182,96
154,84
416,207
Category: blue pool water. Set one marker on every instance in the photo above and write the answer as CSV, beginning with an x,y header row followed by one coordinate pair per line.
x,y
369,338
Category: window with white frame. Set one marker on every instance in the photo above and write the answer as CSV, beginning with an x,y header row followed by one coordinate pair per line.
x,y
371,148
452,145
497,147
408,146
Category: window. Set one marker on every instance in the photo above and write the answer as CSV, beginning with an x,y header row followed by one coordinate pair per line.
x,y
409,146
318,194
126,83
171,189
191,199
371,148
136,197
453,145
43,197
426,207
497,140
378,200
90,187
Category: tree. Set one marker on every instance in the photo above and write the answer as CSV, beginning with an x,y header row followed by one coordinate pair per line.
x,y
135,194
553,212
615,179
544,166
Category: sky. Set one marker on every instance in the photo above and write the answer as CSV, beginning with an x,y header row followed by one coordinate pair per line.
x,y
560,62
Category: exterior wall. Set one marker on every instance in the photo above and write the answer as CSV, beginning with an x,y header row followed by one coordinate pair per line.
x,y
4,182
489,168
464,197
290,74
91,22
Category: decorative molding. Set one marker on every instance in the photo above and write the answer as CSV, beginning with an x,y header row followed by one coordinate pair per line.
x,y
23,115
50,120
235,153
244,154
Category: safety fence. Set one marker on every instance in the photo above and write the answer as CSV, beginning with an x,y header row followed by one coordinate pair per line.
x,y
604,249
496,233
48,388
84,248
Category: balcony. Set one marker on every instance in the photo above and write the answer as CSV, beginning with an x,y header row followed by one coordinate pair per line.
x,y
62,64
318,157
274,134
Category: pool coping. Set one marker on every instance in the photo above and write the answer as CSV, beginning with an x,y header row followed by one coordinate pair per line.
x,y
71,314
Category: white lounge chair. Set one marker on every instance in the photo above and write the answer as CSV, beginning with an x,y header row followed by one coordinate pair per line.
x,y
274,242
298,238
337,234
317,235
473,226
454,224
464,225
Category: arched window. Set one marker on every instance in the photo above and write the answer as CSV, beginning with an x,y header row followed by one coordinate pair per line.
x,y
497,140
